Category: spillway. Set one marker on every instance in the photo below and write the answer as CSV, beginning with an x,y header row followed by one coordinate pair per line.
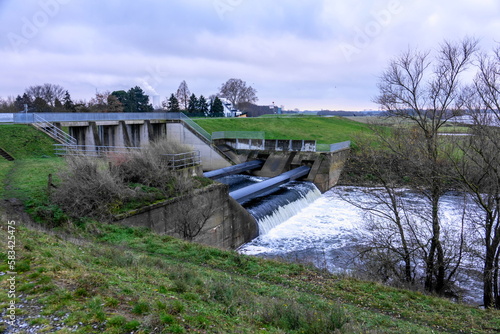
x,y
277,204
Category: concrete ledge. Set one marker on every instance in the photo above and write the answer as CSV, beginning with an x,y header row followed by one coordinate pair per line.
x,y
228,225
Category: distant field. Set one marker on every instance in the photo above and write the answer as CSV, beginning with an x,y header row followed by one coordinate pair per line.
x,y
325,130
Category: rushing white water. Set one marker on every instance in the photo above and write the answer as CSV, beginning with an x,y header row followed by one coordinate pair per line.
x,y
284,212
326,232
277,205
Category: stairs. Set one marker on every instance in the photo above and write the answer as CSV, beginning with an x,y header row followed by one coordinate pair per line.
x,y
6,155
53,131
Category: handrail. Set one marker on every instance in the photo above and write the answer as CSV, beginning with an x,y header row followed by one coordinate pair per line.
x,y
195,127
172,160
52,130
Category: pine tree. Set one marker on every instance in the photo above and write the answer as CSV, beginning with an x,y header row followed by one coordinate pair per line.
x,y
68,103
193,104
217,109
203,105
173,104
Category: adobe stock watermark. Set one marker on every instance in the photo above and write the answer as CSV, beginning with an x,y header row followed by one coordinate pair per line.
x,y
222,7
364,36
30,27
11,262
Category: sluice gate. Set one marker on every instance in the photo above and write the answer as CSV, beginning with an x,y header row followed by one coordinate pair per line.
x,y
254,190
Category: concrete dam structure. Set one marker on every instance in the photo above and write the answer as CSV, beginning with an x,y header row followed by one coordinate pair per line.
x,y
231,225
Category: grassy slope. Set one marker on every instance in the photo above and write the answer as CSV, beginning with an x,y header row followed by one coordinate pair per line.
x,y
24,141
115,280
126,278
325,130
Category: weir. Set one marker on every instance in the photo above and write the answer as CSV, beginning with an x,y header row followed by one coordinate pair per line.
x,y
272,210
244,194
283,161
236,169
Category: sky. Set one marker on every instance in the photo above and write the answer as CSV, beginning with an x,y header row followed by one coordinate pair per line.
x,y
304,54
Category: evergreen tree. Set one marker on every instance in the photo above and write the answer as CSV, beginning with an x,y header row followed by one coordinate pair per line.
x,y
68,103
121,95
58,106
216,108
173,104
41,105
21,101
193,104
138,101
203,105
134,100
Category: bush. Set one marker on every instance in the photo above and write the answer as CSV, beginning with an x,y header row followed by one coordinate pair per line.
x,y
148,167
89,189
98,188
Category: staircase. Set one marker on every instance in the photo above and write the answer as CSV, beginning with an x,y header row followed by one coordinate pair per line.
x,y
53,131
6,155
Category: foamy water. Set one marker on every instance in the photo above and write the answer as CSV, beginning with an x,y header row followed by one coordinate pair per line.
x,y
325,233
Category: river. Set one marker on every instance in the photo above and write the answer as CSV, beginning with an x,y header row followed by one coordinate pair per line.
x,y
326,231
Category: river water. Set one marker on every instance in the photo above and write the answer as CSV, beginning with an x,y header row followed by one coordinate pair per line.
x,y
325,229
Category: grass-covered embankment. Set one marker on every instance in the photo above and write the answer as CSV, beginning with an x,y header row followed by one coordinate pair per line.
x,y
24,141
120,280
325,130
96,278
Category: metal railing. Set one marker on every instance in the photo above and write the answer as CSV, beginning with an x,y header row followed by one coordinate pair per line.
x,y
53,131
172,161
182,160
195,127
92,150
238,135
89,117
92,117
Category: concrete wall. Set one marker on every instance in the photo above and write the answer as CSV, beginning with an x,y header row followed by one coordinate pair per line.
x,y
210,158
325,167
228,224
116,133
269,144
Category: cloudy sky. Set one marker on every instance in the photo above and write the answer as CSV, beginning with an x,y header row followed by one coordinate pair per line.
x,y
306,54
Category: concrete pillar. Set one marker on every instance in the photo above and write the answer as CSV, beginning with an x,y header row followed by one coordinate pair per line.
x,y
91,138
122,137
146,133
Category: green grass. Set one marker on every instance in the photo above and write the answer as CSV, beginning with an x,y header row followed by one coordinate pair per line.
x,y
325,130
100,278
27,179
24,141
119,279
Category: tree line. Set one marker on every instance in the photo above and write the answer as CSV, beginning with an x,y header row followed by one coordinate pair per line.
x,y
424,91
54,98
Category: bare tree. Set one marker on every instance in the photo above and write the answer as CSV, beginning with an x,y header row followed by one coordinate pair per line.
x,y
236,91
183,95
8,105
479,165
424,90
387,223
398,231
105,102
48,92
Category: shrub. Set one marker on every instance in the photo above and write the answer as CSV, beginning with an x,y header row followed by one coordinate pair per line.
x,y
89,189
